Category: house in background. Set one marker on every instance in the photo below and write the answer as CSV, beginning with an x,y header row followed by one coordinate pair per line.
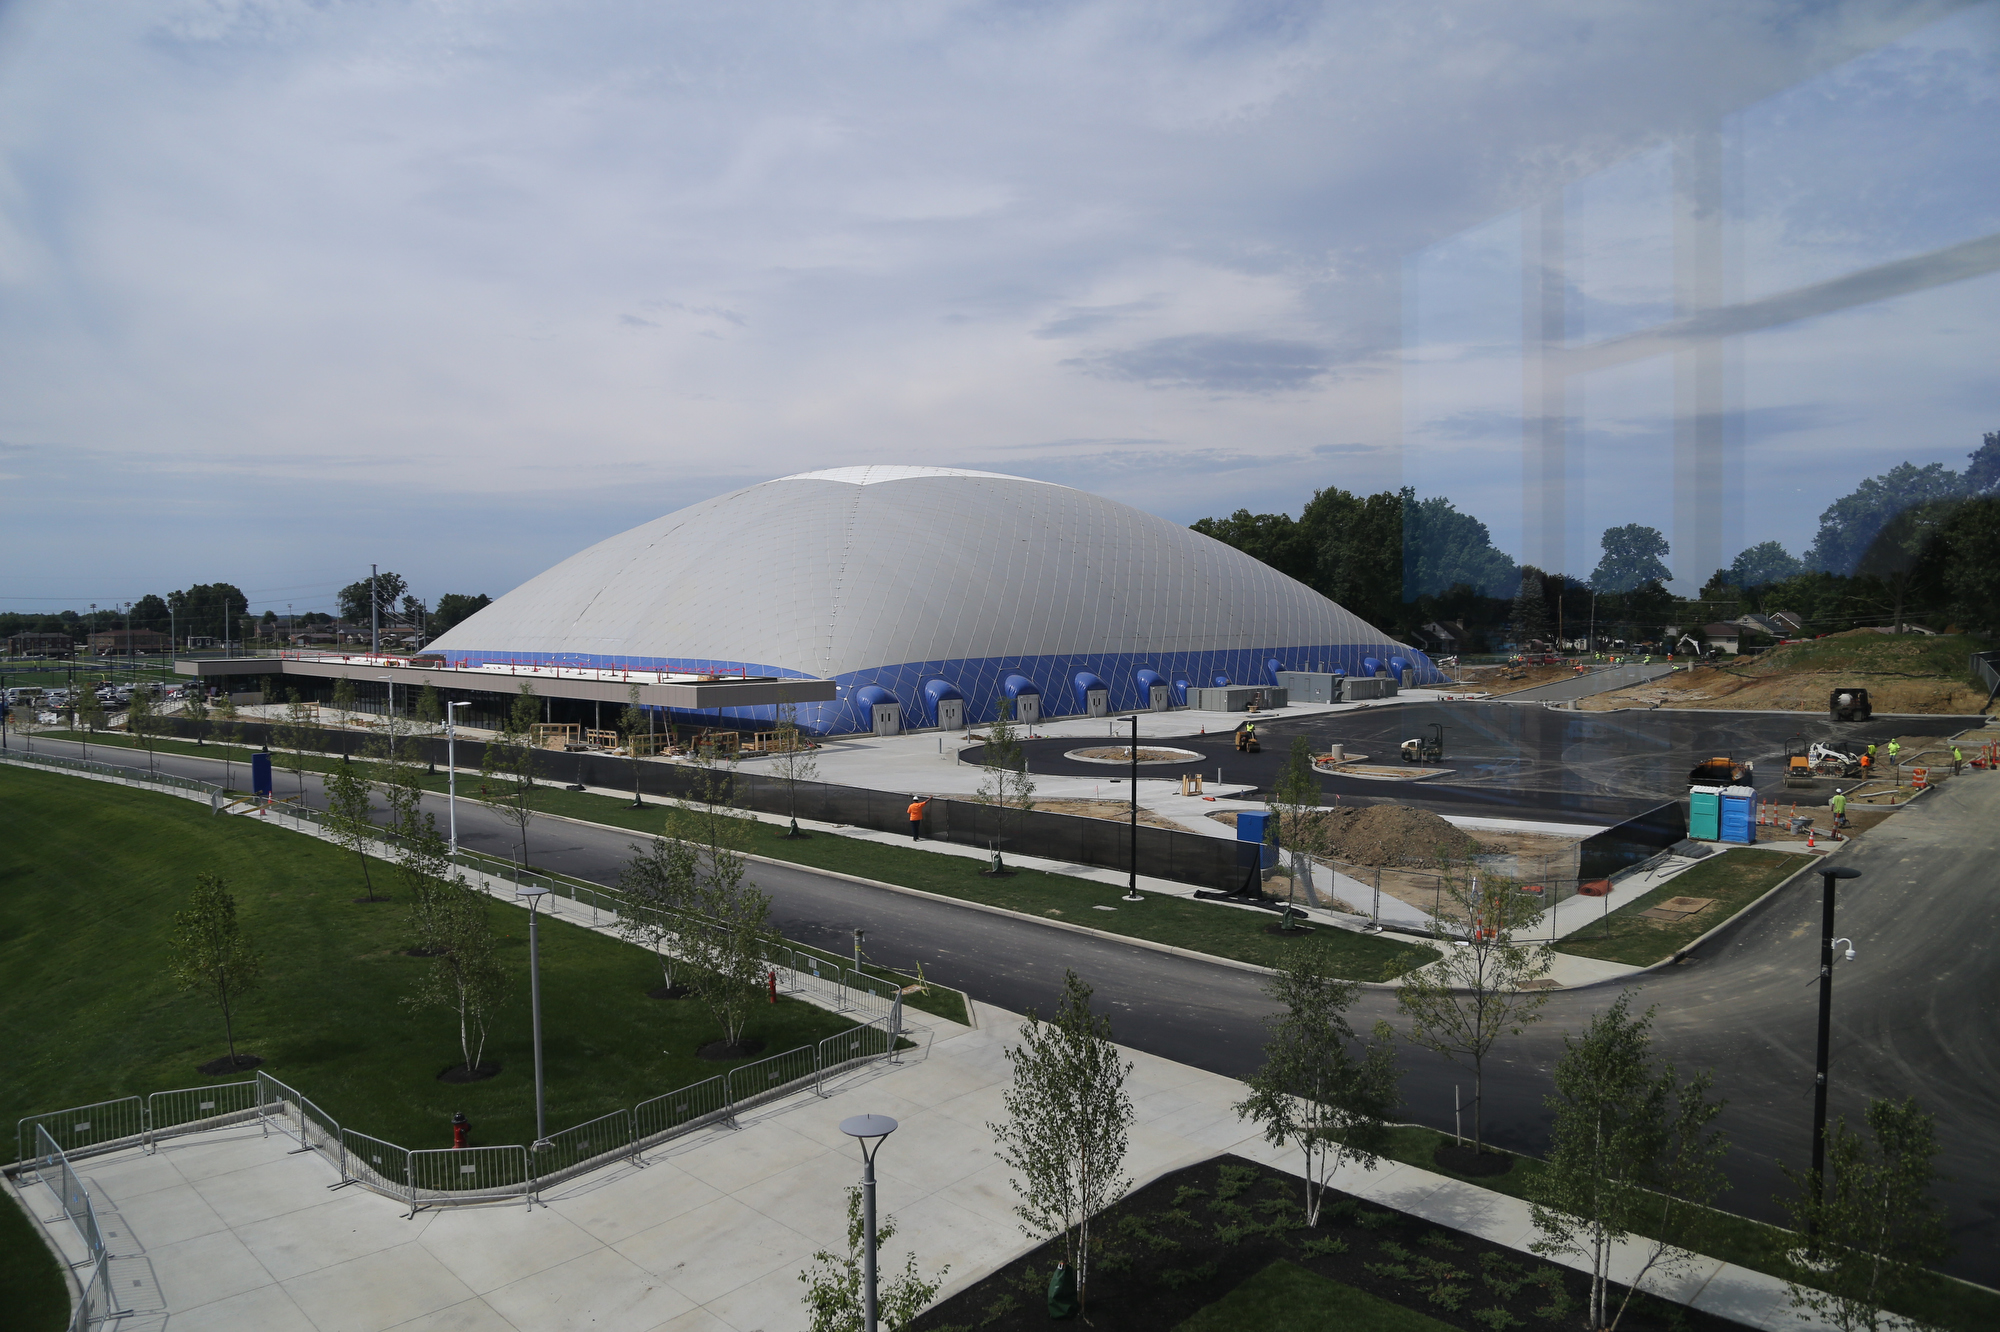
x,y
1723,637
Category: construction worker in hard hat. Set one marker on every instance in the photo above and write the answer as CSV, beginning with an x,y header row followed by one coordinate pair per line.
x,y
1895,748
1957,758
1839,804
1871,751
917,804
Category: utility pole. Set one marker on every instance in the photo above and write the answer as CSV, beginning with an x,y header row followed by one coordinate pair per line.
x,y
1132,870
374,612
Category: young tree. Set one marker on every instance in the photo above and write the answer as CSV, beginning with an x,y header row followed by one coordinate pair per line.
x,y
196,711
795,761
208,952
1067,1119
226,731
430,709
87,711
1873,1226
424,865
1004,783
833,1284
507,769
465,974
633,722
660,885
1296,821
1314,1092
294,734
349,816
345,698
729,946
1462,1004
144,722
1632,1157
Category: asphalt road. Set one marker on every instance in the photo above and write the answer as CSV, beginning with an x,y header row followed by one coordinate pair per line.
x,y
1525,762
1913,1015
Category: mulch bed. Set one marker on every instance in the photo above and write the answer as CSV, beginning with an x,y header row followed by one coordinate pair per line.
x,y
742,1049
1184,1241
459,1073
1471,1162
242,1063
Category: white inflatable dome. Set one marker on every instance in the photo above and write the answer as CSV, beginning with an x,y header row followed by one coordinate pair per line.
x,y
921,584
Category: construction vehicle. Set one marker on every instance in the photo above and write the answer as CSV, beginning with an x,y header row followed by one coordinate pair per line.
x,y
1247,741
1826,761
1849,703
1720,771
1427,748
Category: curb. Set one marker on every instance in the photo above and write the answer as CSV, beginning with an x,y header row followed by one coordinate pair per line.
x,y
988,908
1674,958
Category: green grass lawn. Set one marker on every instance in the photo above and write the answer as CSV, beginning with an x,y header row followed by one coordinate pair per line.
x,y
33,1295
1942,655
1200,927
90,879
1733,880
1724,1235
1284,1297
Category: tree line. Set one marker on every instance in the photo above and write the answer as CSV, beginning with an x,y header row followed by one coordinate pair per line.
x,y
1913,540
222,611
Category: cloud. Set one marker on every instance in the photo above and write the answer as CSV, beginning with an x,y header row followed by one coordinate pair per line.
x,y
240,239
1225,364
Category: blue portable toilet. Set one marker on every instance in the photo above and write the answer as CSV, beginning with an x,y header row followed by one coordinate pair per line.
x,y
1705,813
1250,827
260,774
1739,815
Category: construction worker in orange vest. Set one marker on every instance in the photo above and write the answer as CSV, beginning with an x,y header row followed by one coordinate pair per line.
x,y
917,804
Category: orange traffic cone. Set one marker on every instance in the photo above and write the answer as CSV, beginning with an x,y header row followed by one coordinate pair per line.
x,y
1811,844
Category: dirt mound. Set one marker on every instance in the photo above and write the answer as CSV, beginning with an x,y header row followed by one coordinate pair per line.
x,y
1393,835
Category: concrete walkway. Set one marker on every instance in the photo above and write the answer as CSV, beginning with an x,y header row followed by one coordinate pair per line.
x,y
228,1230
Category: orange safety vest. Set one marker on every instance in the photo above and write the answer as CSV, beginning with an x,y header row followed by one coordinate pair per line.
x,y
917,810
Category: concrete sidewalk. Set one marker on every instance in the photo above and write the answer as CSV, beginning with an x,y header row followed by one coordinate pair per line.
x,y
230,1230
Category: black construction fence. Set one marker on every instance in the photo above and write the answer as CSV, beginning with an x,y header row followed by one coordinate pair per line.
x,y
1214,863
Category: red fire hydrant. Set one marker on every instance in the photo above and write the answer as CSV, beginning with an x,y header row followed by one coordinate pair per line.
x,y
774,985
461,1130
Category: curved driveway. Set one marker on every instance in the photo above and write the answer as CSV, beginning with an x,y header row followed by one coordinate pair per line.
x,y
1913,1015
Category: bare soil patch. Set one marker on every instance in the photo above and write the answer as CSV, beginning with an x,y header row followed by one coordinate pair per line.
x,y
1118,811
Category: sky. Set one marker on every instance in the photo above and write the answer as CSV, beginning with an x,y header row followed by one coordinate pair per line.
x,y
459,289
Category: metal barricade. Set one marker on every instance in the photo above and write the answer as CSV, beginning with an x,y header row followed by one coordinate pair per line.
x,y
676,1112
762,1079
55,1171
374,1164
444,1175
97,1304
83,1126
606,1135
869,994
297,1117
855,1046
197,1105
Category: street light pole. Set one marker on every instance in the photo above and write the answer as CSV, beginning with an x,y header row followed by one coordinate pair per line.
x,y
1132,870
861,1128
535,896
1828,878
451,764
